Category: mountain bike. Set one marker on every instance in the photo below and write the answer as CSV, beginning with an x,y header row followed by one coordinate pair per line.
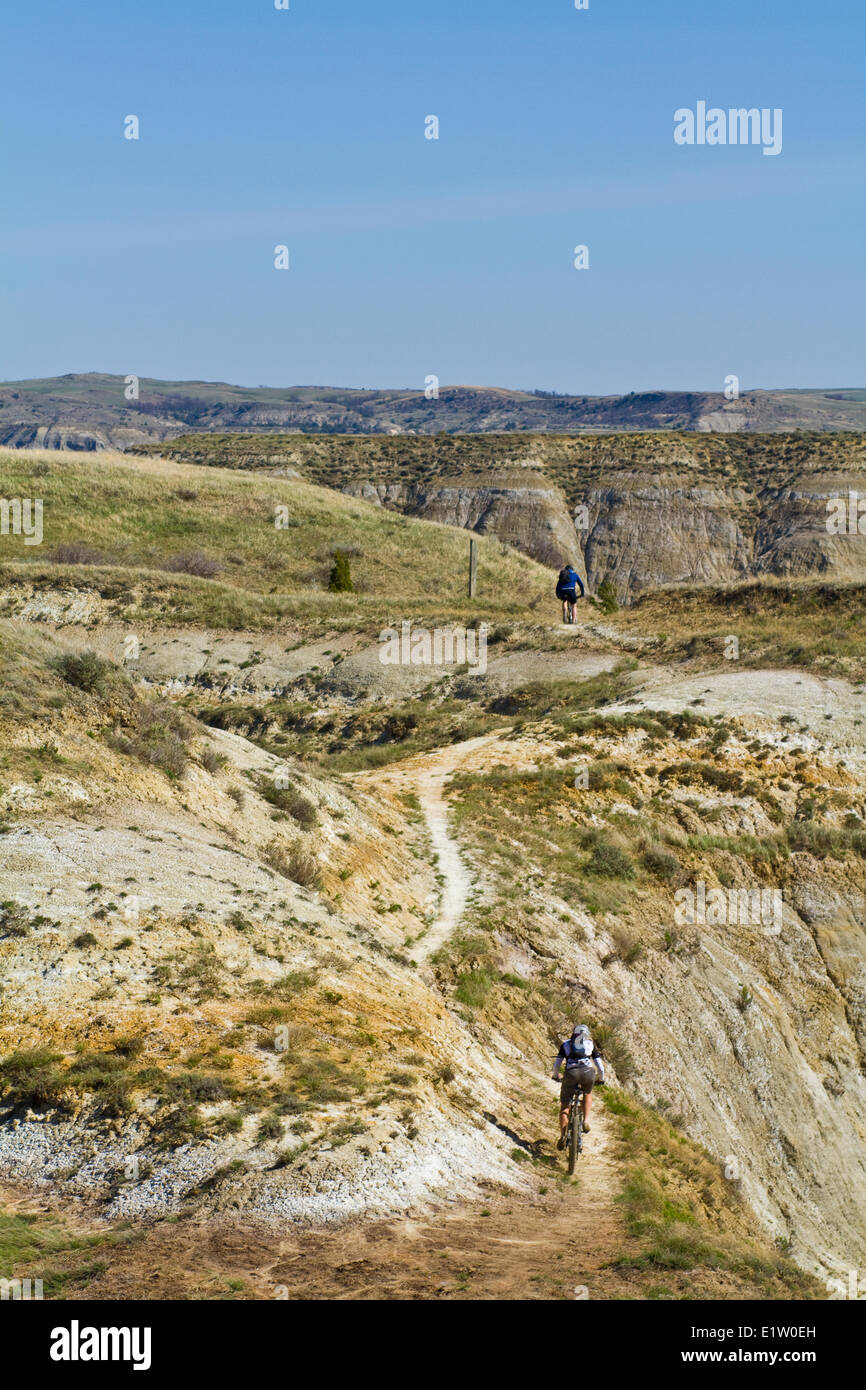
x,y
574,1128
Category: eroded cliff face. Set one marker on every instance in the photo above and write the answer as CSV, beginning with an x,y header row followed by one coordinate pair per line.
x,y
671,529
524,511
666,529
641,528
774,1086
745,1022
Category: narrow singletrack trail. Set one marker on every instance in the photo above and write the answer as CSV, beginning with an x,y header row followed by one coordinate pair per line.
x,y
562,1241
426,775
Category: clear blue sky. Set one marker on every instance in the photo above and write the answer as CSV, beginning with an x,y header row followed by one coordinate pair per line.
x,y
413,256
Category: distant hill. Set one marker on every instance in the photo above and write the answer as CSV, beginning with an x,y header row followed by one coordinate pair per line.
x,y
90,411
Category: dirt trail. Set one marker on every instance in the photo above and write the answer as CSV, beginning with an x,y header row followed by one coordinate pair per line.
x,y
426,775
560,1241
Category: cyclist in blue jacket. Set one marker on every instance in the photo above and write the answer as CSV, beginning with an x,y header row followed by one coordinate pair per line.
x,y
567,585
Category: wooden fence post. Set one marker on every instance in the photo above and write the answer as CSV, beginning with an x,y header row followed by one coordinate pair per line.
x,y
473,566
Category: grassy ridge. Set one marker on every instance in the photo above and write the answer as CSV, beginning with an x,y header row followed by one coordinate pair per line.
x,y
221,529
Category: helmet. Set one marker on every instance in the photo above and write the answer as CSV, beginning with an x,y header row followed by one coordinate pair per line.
x,y
580,1031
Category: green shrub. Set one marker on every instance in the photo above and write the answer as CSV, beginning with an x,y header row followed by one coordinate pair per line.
x,y
289,799
722,778
744,998
294,864
661,863
31,1077
608,1038
159,737
14,919
322,1081
340,581
473,987
823,841
211,761
103,1073
627,948
196,1086
270,1127
295,982
178,1126
85,670
193,562
609,861
199,974
606,596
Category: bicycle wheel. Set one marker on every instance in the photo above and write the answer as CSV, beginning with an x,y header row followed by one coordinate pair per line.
x,y
572,1135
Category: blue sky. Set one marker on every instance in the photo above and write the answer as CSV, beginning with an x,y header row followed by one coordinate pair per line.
x,y
411,256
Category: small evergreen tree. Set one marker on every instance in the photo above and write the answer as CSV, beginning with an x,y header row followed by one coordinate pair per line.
x,y
341,578
607,597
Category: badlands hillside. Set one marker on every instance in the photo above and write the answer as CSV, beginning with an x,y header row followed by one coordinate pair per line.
x,y
98,410
635,510
289,934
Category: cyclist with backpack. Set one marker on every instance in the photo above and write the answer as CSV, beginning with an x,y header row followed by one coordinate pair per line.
x,y
582,1061
568,583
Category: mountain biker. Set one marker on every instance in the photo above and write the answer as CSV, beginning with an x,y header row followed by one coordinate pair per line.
x,y
566,589
579,1053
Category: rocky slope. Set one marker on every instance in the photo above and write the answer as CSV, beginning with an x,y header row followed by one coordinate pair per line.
x,y
196,1028
524,510
767,1011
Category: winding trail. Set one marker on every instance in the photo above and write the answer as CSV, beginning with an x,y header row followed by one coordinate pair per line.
x,y
426,775
430,788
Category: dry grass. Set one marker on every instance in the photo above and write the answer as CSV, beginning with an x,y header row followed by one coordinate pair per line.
x,y
105,504
811,624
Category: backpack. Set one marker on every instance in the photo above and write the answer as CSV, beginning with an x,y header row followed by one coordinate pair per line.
x,y
566,578
578,1054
